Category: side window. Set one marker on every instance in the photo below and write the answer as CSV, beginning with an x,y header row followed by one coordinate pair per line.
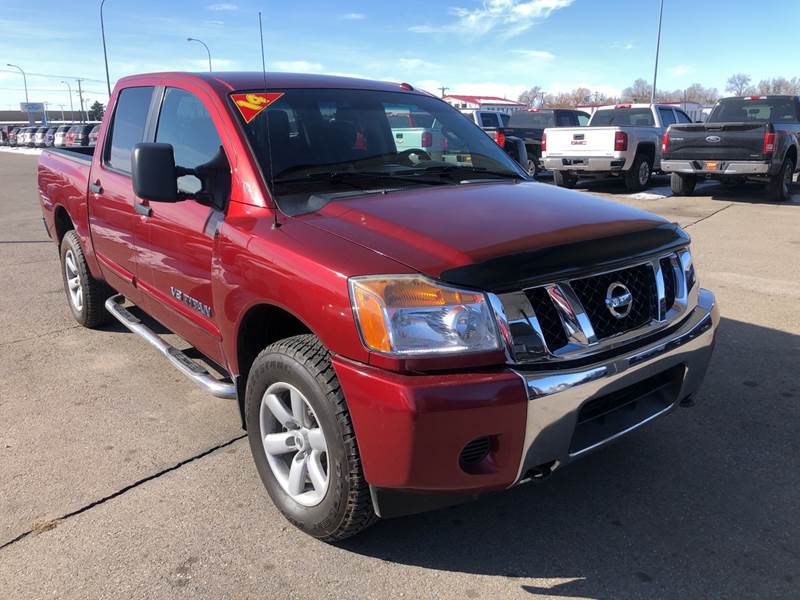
x,y
130,116
667,116
185,123
504,119
682,117
490,119
583,119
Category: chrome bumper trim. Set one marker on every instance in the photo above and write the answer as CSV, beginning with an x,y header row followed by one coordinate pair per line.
x,y
729,168
602,164
179,360
556,397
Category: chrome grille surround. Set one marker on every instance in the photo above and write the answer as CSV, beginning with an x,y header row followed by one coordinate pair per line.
x,y
526,335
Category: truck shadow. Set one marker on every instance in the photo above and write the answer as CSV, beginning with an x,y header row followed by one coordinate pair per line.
x,y
703,503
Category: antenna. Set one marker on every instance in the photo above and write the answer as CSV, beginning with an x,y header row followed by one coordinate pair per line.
x,y
275,223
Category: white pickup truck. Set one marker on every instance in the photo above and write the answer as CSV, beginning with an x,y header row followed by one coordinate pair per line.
x,y
622,140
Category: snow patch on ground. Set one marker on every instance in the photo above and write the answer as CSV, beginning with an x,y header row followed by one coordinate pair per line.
x,y
28,151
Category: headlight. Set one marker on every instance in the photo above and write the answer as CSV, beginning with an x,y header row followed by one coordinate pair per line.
x,y
410,314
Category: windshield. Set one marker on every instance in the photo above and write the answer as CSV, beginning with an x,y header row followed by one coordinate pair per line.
x,y
632,117
314,145
758,110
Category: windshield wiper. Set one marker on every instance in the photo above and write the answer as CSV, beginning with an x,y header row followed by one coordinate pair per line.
x,y
347,177
454,169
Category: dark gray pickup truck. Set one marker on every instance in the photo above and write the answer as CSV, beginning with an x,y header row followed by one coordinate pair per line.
x,y
752,137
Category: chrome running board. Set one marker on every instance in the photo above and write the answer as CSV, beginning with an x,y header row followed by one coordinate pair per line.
x,y
178,359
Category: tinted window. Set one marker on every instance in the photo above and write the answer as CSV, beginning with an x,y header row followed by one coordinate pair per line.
x,y
583,119
776,109
490,120
504,119
130,116
533,119
565,119
636,117
667,116
682,117
185,123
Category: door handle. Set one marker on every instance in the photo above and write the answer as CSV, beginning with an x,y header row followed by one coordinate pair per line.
x,y
96,188
143,210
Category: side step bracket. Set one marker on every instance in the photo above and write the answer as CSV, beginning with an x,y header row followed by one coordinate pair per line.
x,y
179,360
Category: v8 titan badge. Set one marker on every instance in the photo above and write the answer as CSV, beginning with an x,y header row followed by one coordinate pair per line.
x,y
251,105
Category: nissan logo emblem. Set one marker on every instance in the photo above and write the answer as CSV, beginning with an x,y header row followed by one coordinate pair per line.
x,y
619,300
713,139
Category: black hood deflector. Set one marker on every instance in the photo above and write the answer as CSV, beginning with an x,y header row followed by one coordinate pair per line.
x,y
568,261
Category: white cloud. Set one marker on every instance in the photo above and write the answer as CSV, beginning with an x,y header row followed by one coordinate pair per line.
x,y
297,66
681,70
414,63
222,6
559,87
508,17
353,16
536,54
623,45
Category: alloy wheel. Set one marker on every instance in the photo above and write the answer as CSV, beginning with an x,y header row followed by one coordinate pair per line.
x,y
294,444
73,281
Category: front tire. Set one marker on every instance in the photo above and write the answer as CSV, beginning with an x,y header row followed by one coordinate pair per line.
x,y
302,440
780,186
638,177
86,295
532,168
565,179
682,184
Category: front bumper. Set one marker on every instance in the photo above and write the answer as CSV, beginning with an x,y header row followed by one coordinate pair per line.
x,y
411,429
723,167
585,163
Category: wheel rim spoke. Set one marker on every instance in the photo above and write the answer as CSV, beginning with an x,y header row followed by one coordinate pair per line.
x,y
317,440
297,474
316,473
279,411
74,283
279,443
298,408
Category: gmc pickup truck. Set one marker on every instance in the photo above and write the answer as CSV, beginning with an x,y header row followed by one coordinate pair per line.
x,y
623,140
751,137
398,333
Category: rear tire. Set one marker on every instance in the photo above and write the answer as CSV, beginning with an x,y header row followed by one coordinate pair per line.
x,y
322,437
638,177
565,179
532,168
780,186
682,184
86,295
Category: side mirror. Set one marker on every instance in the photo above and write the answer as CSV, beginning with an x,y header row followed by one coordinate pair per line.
x,y
153,171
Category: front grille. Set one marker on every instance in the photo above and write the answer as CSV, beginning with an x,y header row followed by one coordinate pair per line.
x,y
669,281
591,292
554,335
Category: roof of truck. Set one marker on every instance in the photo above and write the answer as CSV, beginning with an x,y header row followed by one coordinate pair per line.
x,y
253,80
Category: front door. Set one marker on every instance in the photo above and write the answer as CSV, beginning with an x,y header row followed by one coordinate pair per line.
x,y
112,204
176,241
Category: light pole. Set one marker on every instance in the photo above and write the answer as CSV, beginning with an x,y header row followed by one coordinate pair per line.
x,y
204,46
658,47
105,54
25,83
71,109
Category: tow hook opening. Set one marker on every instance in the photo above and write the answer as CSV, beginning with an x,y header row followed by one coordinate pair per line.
x,y
540,472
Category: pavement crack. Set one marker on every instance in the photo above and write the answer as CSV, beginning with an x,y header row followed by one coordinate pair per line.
x,y
716,212
46,526
40,335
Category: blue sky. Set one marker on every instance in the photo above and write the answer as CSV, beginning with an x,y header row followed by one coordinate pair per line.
x,y
495,47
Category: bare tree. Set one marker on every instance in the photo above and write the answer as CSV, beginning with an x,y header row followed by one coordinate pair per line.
x,y
531,97
640,91
739,84
779,86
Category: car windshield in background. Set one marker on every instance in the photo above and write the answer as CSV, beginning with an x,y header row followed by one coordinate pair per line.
x,y
541,119
758,110
317,144
625,117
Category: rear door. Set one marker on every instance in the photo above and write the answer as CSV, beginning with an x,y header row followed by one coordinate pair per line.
x,y
176,240
112,212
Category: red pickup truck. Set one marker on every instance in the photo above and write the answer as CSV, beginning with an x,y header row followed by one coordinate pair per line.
x,y
400,333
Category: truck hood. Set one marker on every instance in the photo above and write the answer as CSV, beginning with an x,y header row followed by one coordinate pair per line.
x,y
497,236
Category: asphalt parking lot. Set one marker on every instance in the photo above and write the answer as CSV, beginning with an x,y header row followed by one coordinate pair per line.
x,y
119,478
